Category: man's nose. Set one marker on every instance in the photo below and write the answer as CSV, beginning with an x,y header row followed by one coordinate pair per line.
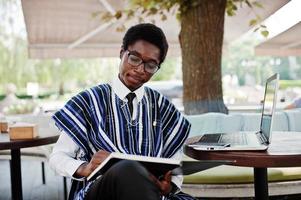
x,y
140,68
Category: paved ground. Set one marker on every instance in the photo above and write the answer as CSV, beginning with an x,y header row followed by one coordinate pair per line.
x,y
33,189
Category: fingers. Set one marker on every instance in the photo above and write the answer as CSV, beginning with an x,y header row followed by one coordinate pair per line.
x,y
98,158
101,155
167,176
163,184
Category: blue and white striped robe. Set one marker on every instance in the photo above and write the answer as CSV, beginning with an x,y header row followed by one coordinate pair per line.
x,y
98,119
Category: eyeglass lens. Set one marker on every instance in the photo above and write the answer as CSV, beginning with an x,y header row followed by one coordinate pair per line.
x,y
134,60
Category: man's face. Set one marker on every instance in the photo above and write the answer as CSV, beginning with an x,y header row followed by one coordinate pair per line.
x,y
135,76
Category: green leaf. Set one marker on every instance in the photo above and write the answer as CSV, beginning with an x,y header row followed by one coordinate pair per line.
x,y
118,14
106,16
153,10
234,7
121,28
265,33
229,3
230,13
163,17
253,22
130,13
257,4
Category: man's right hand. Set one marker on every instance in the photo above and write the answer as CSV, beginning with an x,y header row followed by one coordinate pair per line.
x,y
87,168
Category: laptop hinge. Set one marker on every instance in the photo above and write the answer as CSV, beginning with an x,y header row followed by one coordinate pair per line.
x,y
262,138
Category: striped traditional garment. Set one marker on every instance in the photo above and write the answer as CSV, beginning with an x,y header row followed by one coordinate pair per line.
x,y
97,119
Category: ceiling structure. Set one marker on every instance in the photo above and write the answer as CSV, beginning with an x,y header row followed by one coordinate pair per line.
x,y
67,29
287,43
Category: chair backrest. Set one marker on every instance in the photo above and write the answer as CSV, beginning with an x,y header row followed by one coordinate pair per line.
x,y
214,123
219,122
294,119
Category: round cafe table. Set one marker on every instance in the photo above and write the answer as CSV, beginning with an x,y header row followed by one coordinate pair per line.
x,y
284,151
15,167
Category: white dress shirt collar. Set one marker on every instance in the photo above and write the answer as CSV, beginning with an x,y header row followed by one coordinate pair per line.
x,y
121,90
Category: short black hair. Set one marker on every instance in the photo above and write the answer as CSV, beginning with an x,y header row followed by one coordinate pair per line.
x,y
148,32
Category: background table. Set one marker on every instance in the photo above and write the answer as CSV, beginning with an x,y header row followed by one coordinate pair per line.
x,y
15,166
284,151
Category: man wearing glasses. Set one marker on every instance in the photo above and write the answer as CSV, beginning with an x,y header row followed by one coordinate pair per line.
x,y
125,117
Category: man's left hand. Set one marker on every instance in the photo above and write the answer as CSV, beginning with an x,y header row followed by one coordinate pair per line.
x,y
163,183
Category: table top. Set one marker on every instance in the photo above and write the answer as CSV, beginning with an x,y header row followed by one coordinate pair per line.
x,y
6,143
284,151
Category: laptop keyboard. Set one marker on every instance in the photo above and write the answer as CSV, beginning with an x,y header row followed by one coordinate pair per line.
x,y
233,138
210,138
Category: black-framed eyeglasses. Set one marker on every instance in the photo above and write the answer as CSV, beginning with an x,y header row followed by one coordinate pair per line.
x,y
134,60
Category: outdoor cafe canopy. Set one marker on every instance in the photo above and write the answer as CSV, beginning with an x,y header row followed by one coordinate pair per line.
x,y
67,29
287,43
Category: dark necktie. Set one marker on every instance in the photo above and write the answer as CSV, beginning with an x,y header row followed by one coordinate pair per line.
x,y
130,98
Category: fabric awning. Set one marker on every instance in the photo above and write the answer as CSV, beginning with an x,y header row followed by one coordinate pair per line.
x,y
287,43
66,28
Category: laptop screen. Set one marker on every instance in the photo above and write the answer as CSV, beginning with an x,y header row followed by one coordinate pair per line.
x,y
269,104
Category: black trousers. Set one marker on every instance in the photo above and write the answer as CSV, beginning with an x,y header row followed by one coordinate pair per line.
x,y
126,180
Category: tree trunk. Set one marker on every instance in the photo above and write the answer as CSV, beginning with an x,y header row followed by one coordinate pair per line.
x,y
201,39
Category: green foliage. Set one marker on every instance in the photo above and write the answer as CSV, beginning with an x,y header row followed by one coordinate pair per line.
x,y
25,96
139,9
265,33
66,74
167,70
283,84
240,60
50,74
21,107
16,68
231,9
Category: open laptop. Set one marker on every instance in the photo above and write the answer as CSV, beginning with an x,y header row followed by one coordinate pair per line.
x,y
246,140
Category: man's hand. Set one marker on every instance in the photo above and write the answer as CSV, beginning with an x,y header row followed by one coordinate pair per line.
x,y
87,168
163,183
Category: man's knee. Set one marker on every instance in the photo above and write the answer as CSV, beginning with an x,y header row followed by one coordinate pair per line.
x,y
125,180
